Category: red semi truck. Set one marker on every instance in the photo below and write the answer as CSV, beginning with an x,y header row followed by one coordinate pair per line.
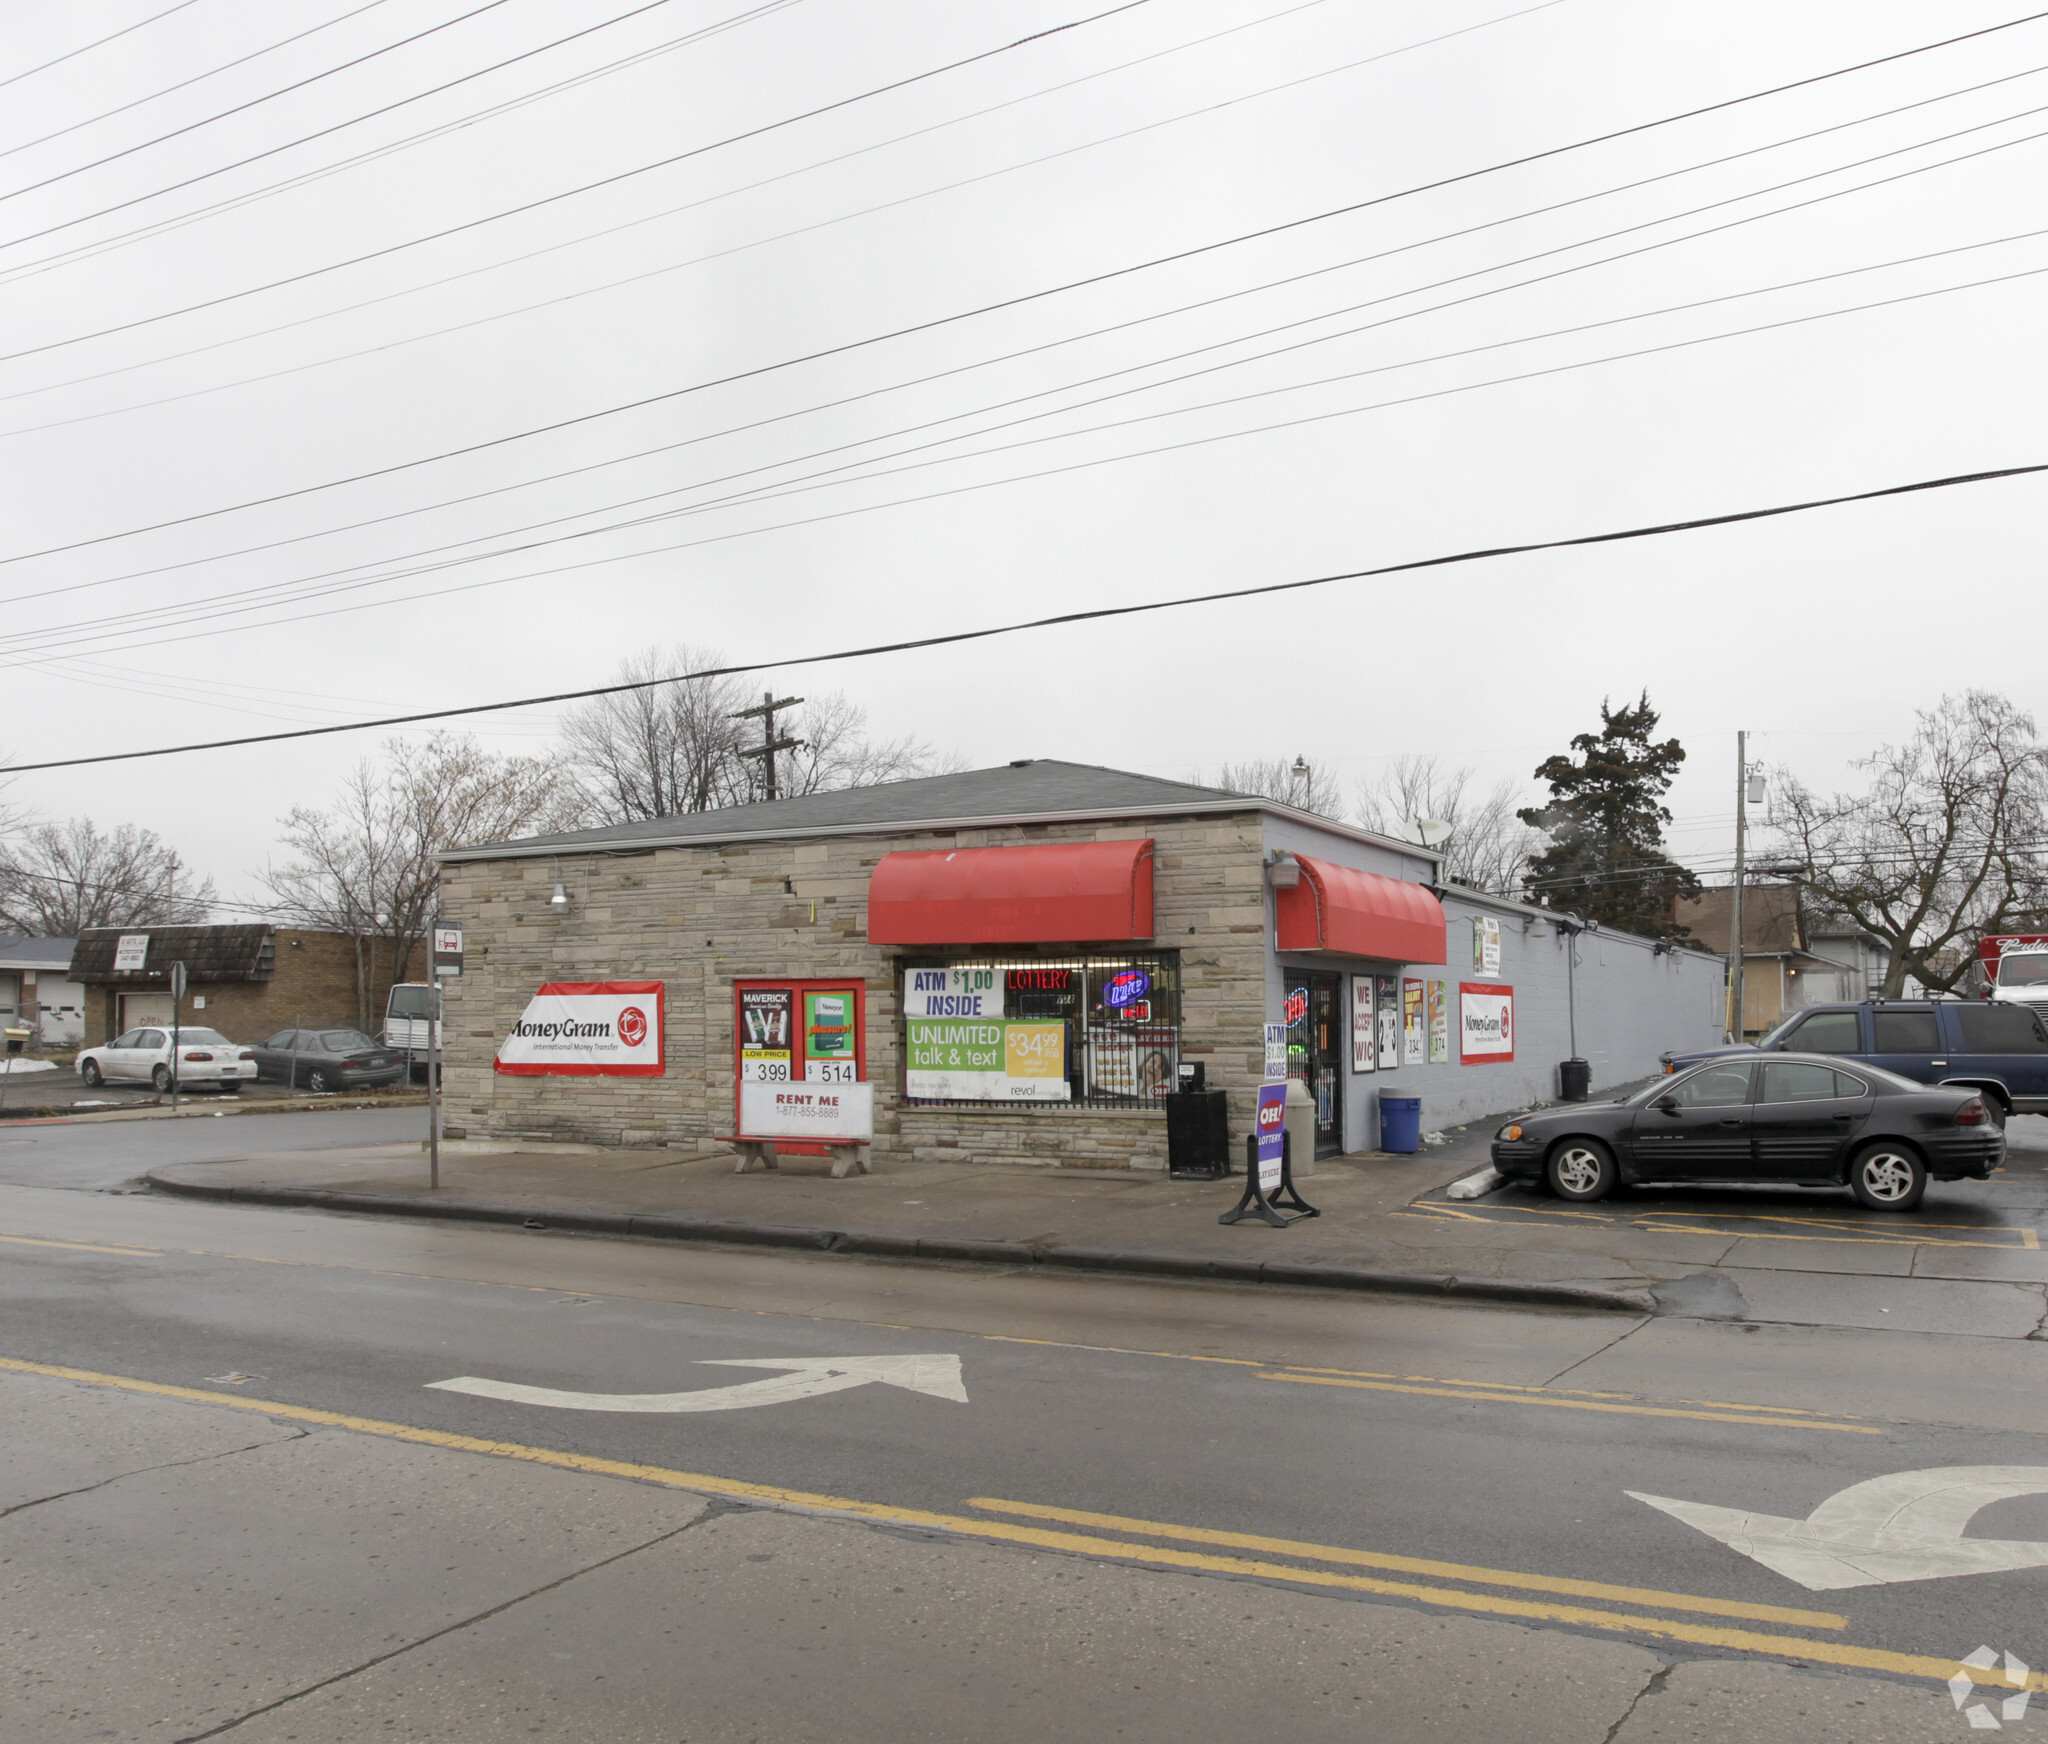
x,y
2014,966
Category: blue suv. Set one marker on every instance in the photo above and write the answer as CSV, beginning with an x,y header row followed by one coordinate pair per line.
x,y
1996,1047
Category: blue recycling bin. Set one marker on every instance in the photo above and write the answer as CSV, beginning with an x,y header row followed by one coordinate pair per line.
x,y
1400,1123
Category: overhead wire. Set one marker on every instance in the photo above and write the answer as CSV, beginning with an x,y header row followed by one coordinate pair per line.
x,y
598,235
195,79
1097,614
1291,279
239,108
766,7
87,48
932,324
29,645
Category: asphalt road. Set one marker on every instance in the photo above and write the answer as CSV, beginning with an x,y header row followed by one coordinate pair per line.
x,y
1450,1469
103,1154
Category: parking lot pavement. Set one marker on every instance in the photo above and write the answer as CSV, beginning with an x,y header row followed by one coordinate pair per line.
x,y
61,1092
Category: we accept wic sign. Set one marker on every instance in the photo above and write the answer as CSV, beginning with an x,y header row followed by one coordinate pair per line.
x,y
587,1029
1486,1021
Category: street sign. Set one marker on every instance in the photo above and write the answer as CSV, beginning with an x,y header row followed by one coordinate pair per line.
x,y
447,950
1908,1526
809,1376
177,982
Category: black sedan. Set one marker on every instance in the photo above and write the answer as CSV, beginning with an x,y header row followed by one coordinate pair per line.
x,y
1797,1119
327,1059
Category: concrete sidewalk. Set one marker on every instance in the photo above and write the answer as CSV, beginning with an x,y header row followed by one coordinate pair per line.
x,y
1969,1260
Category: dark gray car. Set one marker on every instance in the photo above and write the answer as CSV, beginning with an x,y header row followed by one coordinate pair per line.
x,y
327,1059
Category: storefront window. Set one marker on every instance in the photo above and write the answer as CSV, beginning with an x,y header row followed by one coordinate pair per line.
x,y
1098,1030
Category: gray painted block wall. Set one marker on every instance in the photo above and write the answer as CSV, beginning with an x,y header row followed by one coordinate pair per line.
x,y
1631,1003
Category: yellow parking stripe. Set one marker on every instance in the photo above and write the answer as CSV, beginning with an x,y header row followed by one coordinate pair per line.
x,y
1785,1422
79,1246
1493,1577
1796,1647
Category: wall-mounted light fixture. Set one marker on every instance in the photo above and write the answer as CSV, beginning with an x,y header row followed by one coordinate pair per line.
x,y
1284,870
559,902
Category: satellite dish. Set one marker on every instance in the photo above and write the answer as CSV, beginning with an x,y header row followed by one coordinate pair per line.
x,y
1430,831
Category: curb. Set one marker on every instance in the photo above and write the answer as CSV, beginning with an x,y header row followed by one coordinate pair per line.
x,y
40,1116
952,1250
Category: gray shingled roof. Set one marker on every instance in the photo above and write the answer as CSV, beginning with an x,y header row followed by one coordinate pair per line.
x,y
18,951
1043,787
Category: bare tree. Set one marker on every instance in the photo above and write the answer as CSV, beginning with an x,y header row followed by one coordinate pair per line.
x,y
56,880
1488,845
668,749
836,751
366,867
665,749
1943,844
1316,788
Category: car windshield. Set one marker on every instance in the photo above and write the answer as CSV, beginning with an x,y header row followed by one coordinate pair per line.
x,y
1777,1036
2029,969
204,1037
345,1041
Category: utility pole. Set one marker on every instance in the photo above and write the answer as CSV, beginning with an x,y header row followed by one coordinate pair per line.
x,y
769,744
1735,906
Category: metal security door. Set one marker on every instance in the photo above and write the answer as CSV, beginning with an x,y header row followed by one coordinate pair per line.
x,y
1326,1061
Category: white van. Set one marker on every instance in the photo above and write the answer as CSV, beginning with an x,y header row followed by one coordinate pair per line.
x,y
409,1022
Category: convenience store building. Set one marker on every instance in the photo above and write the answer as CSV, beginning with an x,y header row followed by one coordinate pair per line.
x,y
1010,965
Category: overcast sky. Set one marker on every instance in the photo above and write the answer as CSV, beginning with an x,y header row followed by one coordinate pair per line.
x,y
922,506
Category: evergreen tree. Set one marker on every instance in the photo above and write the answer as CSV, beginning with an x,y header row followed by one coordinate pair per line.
x,y
1605,821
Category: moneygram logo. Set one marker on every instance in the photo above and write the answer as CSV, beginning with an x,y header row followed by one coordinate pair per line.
x,y
1963,1686
632,1026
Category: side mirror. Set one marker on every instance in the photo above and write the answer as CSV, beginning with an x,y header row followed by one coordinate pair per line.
x,y
1664,1105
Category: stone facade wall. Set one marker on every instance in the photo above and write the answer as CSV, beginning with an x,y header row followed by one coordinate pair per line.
x,y
699,918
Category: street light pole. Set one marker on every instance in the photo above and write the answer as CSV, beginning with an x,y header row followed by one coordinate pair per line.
x,y
1735,905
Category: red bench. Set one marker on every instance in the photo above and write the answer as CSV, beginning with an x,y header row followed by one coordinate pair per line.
x,y
749,1151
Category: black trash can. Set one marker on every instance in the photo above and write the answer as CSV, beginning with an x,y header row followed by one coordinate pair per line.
x,y
1198,1135
1574,1080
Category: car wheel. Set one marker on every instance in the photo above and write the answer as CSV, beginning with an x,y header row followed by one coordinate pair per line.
x,y
90,1072
1887,1177
316,1081
1581,1168
161,1078
1996,1114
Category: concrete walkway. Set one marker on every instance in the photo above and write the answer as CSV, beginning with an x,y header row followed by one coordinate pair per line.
x,y
1970,1259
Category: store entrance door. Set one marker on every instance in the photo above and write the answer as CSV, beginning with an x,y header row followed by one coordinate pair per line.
x,y
1314,1049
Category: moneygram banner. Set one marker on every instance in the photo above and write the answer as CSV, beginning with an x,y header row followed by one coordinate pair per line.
x,y
587,1029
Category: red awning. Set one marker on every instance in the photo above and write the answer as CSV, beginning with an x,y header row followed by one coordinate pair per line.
x,y
1053,893
1360,914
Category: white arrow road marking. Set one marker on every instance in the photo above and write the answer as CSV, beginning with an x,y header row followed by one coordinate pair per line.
x,y
1908,1526
811,1375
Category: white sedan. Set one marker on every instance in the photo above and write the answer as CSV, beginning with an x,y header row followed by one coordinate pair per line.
x,y
144,1056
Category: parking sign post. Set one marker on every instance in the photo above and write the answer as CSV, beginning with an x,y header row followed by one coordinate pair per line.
x,y
177,1004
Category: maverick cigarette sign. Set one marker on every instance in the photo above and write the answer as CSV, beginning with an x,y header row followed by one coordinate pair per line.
x,y
587,1029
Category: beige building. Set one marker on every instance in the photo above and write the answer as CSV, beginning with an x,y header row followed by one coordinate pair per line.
x,y
1015,963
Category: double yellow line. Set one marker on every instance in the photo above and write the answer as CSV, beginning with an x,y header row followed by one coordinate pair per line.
x,y
1132,1550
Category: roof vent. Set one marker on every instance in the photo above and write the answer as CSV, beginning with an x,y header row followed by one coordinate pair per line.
x,y
1022,762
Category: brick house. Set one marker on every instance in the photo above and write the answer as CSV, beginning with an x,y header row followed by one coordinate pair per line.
x,y
1102,927
248,982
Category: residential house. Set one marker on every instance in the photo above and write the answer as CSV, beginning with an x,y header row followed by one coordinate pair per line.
x,y
37,992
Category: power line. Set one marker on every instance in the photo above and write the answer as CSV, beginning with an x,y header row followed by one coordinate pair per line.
x,y
155,637
1097,614
190,610
12,275
753,11
1121,326
208,121
1024,298
195,79
73,54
